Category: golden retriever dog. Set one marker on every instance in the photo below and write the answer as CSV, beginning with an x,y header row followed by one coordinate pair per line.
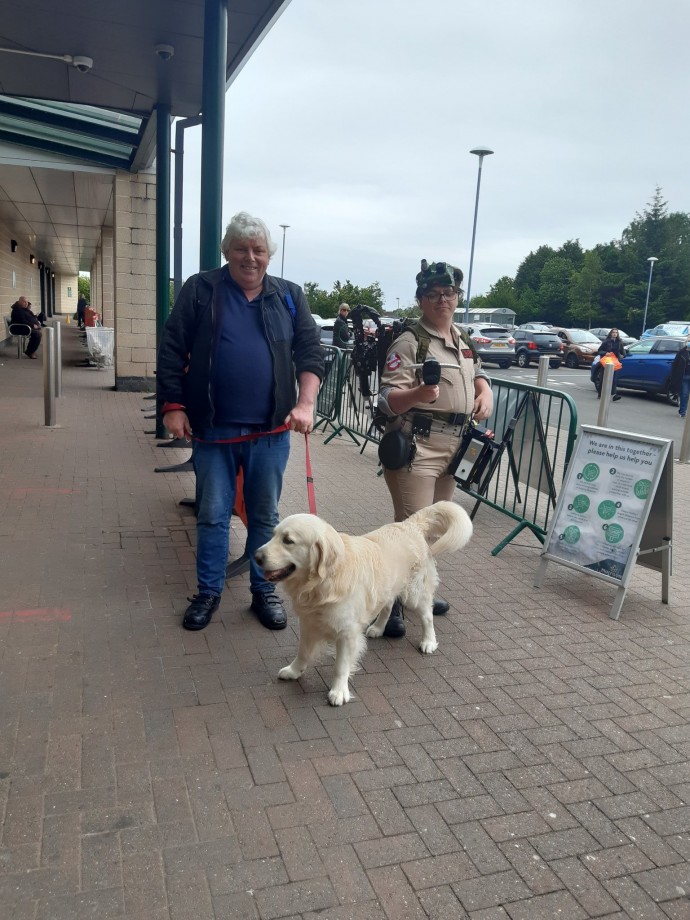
x,y
339,584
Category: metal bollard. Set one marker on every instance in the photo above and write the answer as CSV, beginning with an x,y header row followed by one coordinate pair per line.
x,y
543,371
685,442
606,384
49,377
58,357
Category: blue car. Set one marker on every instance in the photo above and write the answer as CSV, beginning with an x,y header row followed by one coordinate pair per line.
x,y
647,367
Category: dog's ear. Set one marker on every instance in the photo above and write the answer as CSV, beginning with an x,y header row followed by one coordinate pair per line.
x,y
328,551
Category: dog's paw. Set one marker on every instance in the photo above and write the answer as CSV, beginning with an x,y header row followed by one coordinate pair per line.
x,y
374,631
428,646
287,673
338,697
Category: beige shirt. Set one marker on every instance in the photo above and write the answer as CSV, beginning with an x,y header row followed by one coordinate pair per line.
x,y
456,387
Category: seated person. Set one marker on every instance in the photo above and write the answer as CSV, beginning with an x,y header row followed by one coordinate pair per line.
x,y
22,314
41,317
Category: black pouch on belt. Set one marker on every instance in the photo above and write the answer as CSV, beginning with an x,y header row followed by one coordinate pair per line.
x,y
395,450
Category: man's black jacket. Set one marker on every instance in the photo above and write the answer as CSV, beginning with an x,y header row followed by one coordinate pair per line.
x,y
187,350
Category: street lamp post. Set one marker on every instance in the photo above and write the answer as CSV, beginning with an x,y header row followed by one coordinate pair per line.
x,y
282,261
480,152
651,260
398,299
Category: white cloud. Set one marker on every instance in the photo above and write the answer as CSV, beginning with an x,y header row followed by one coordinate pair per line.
x,y
354,119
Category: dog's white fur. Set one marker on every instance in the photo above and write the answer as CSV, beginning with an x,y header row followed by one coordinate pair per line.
x,y
338,583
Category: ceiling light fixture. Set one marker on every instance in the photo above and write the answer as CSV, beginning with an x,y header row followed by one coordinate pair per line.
x,y
13,245
32,258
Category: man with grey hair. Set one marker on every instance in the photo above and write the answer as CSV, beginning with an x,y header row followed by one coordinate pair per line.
x,y
239,366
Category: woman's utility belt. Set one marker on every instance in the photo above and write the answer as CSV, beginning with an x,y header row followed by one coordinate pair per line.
x,y
398,448
423,424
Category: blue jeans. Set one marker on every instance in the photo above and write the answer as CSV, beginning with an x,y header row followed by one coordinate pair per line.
x,y
684,394
263,463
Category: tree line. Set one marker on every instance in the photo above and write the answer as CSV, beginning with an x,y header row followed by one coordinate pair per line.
x,y
606,285
570,286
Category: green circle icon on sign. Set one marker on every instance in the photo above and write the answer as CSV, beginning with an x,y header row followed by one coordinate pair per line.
x,y
641,488
581,504
571,534
606,510
614,533
591,472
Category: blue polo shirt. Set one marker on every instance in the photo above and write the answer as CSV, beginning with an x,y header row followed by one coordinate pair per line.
x,y
242,364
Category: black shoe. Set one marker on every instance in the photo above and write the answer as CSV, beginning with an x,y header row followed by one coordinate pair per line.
x,y
395,627
440,608
615,398
269,609
198,614
32,356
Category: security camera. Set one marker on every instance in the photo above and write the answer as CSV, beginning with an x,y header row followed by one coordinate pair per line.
x,y
82,63
164,52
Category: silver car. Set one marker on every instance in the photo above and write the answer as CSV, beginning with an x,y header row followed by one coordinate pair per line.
x,y
602,333
494,343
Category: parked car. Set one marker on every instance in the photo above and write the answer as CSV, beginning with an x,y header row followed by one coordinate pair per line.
x,y
494,343
326,327
675,327
579,346
530,345
536,326
647,367
601,333
327,332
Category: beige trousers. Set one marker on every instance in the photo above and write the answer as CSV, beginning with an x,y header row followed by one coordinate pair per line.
x,y
427,482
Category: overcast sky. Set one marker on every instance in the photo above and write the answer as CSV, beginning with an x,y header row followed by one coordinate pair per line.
x,y
353,120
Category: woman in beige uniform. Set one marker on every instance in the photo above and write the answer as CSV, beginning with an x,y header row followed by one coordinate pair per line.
x,y
460,395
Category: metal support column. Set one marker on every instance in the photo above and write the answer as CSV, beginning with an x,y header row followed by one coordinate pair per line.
x,y
58,357
162,227
180,127
213,124
49,290
42,285
49,377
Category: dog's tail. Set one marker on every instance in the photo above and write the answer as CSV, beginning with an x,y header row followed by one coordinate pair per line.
x,y
446,526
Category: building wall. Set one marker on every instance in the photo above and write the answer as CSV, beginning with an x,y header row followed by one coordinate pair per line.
x,y
17,275
134,295
107,277
66,294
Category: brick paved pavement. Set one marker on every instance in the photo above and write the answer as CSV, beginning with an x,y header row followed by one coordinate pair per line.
x,y
536,766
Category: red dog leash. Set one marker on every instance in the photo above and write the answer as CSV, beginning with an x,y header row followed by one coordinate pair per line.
x,y
311,496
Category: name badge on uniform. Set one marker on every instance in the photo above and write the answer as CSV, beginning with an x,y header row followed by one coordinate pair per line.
x,y
466,352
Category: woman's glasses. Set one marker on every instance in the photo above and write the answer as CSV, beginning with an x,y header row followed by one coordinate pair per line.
x,y
437,296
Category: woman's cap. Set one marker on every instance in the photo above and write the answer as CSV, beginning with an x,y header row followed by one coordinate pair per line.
x,y
438,274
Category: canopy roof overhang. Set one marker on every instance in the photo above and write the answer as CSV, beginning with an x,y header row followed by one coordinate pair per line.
x,y
56,119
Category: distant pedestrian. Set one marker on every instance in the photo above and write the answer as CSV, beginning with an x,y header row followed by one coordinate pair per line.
x,y
680,377
82,304
611,345
342,334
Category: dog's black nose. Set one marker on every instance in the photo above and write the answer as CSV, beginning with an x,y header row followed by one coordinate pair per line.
x,y
259,558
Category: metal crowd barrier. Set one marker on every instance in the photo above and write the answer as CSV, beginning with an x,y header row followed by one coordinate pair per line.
x,y
535,430
353,405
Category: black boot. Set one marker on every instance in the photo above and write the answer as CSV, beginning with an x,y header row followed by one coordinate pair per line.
x,y
440,607
395,627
